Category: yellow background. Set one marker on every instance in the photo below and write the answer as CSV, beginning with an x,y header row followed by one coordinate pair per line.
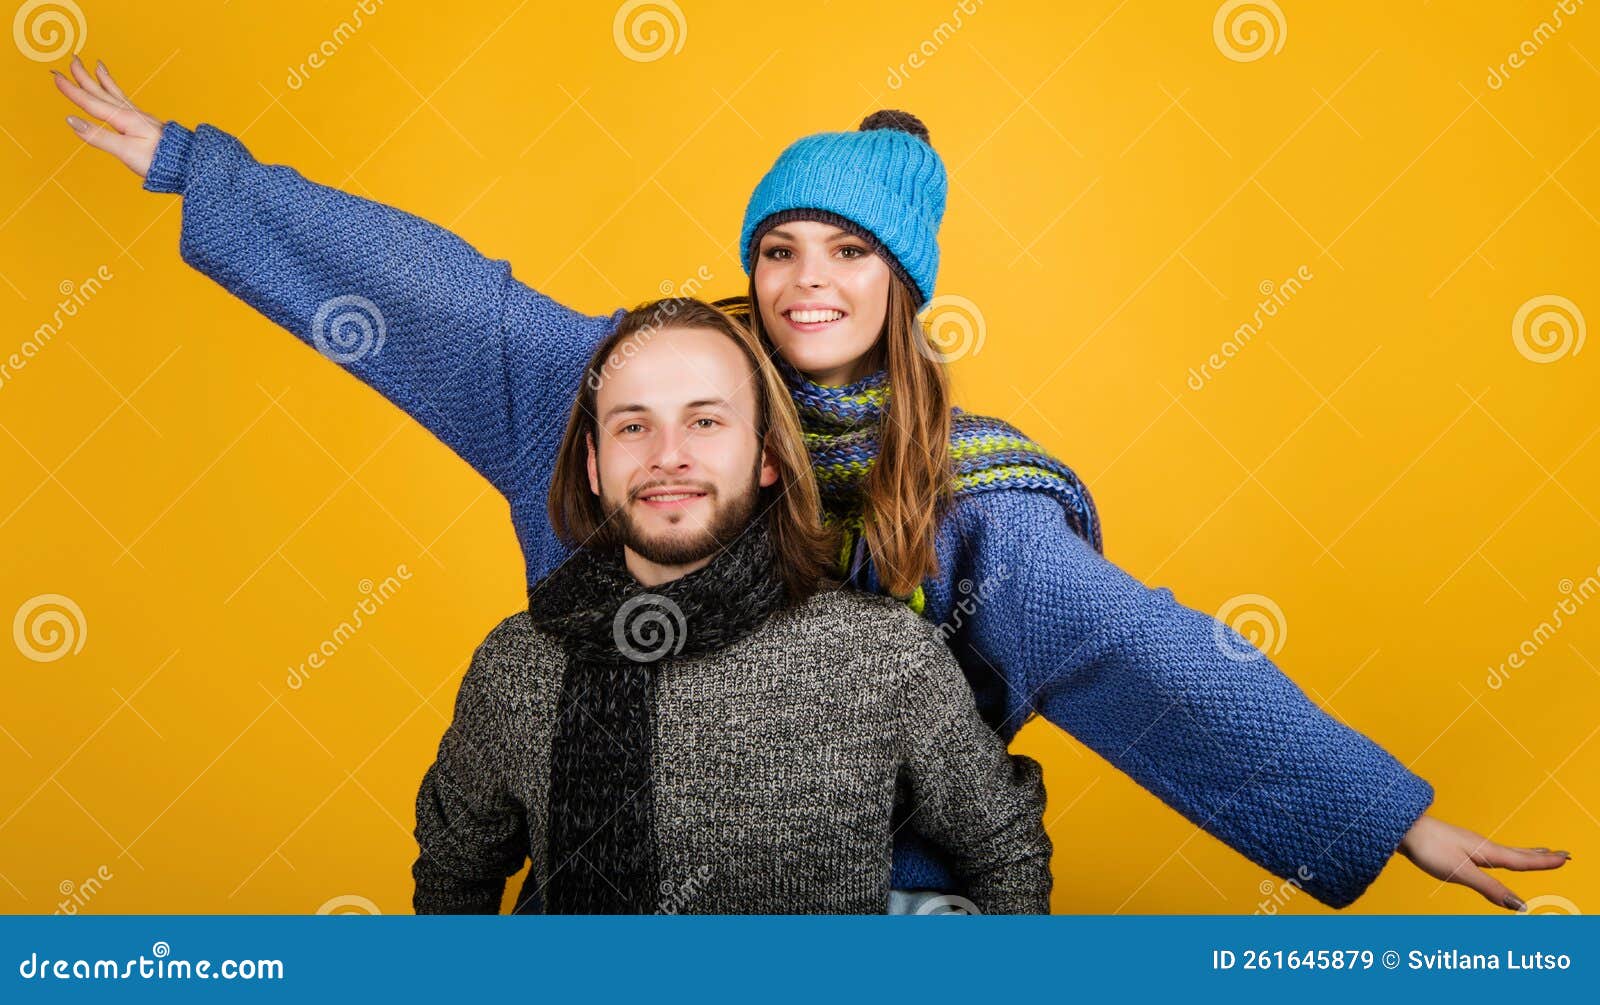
x,y
1381,461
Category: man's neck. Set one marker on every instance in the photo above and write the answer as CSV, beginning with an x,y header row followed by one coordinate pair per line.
x,y
653,574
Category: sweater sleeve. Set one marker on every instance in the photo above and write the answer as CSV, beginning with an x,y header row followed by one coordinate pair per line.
x,y
982,806
471,834
484,362
1183,704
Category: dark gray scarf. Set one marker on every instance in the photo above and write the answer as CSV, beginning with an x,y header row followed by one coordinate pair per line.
x,y
617,635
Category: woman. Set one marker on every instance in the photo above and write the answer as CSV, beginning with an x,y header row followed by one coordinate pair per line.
x,y
1164,692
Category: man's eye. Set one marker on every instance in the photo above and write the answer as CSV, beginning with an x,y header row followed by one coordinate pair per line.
x,y
705,423
630,427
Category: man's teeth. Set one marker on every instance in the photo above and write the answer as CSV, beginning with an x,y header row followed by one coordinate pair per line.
x,y
811,317
674,496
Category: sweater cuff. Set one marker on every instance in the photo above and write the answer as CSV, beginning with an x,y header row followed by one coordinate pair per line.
x,y
171,161
1411,798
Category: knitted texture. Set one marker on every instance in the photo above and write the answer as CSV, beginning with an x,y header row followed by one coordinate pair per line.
x,y
840,425
1040,620
775,774
617,633
884,179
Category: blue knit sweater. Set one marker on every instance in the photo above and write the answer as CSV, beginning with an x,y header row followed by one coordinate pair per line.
x,y
1040,621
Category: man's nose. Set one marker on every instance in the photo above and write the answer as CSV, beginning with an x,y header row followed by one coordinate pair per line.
x,y
671,450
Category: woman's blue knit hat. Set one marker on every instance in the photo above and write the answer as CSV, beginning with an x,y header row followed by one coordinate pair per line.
x,y
883,183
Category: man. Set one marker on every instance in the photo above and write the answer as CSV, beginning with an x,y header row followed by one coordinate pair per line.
x,y
688,717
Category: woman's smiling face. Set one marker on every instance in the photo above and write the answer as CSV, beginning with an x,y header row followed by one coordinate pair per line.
x,y
823,296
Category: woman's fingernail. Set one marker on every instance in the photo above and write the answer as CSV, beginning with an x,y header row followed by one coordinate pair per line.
x,y
1514,902
77,124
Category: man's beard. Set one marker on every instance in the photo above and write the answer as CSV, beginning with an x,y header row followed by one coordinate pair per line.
x,y
728,521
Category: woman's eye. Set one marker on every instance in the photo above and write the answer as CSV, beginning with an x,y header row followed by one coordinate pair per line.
x,y
775,252
852,251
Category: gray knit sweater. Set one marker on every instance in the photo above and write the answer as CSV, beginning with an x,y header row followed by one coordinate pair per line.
x,y
777,764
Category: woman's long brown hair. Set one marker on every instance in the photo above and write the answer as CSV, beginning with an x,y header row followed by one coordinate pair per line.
x,y
791,507
911,484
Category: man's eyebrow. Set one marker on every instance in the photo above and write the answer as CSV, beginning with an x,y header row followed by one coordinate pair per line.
x,y
722,403
618,409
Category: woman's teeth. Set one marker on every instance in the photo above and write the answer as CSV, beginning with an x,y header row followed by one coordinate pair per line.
x,y
813,317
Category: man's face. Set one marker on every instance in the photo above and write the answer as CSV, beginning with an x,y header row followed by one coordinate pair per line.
x,y
677,462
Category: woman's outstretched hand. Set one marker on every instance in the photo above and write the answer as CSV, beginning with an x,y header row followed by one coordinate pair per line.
x,y
1457,855
128,134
